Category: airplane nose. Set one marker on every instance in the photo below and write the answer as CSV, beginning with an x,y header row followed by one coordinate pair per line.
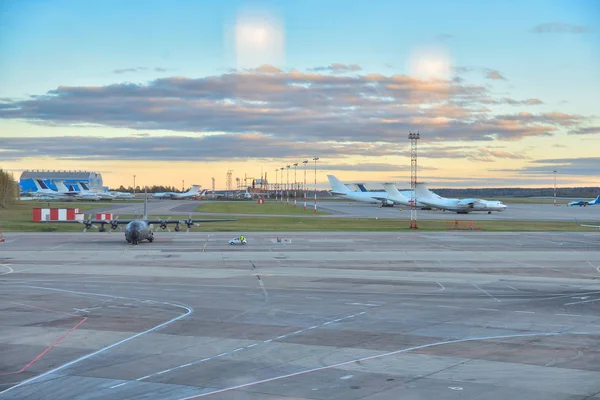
x,y
135,235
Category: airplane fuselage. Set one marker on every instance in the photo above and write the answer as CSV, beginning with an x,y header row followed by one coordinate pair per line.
x,y
138,230
455,205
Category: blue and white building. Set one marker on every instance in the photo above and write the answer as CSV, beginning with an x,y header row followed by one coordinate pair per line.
x,y
91,179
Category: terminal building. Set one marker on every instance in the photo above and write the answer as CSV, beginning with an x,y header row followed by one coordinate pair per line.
x,y
91,179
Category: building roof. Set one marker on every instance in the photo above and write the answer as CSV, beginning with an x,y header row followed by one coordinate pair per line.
x,y
48,174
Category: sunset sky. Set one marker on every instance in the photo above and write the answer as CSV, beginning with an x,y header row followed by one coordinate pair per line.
x,y
502,92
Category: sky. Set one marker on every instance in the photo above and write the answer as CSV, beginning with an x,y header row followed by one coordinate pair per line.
x,y
176,92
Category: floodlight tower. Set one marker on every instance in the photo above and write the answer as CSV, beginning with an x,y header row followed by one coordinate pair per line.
x,y
554,187
287,187
213,186
276,183
281,186
304,162
414,137
315,159
295,184
228,182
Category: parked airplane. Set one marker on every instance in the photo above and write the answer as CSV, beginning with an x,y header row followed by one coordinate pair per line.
x,y
403,198
122,195
460,206
43,191
193,192
70,191
584,203
339,189
102,195
587,226
140,229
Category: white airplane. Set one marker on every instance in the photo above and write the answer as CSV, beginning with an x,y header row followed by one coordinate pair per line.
x,y
460,206
80,195
339,189
43,191
584,203
102,195
122,195
193,192
587,226
403,198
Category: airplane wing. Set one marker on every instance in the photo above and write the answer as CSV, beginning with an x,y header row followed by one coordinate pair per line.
x,y
587,226
193,221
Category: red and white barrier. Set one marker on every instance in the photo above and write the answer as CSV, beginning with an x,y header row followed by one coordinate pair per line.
x,y
55,214
104,216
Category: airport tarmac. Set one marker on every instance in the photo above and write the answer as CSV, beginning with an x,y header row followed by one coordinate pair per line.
x,y
327,315
339,209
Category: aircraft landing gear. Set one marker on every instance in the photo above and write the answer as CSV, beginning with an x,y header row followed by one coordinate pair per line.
x,y
489,212
150,238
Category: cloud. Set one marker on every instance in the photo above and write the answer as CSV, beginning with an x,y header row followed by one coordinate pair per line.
x,y
293,106
139,69
561,27
337,68
584,166
363,167
492,74
586,131
184,148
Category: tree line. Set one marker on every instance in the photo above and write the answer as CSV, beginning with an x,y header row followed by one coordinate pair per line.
x,y
9,188
151,189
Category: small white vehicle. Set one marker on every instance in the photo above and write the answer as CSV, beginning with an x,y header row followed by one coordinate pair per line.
x,y
237,240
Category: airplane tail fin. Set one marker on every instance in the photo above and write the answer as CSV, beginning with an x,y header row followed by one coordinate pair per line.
x,y
336,185
145,203
194,190
422,191
61,187
361,187
37,184
597,201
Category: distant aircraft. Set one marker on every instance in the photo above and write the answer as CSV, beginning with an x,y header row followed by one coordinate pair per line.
x,y
587,226
102,195
140,229
339,189
403,198
193,192
43,191
585,203
460,206
69,191
122,195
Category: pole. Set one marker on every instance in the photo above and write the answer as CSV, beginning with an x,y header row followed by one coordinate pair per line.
x,y
295,184
305,162
315,160
413,178
554,187
183,185
287,187
281,186
134,184
275,185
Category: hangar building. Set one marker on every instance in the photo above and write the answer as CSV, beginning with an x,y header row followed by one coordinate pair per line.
x,y
91,179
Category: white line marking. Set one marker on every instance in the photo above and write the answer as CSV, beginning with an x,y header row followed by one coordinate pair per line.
x,y
10,270
189,311
571,315
143,377
238,349
313,327
120,384
364,304
580,302
255,344
486,293
186,365
391,353
347,377
488,309
221,355
526,312
440,305
443,288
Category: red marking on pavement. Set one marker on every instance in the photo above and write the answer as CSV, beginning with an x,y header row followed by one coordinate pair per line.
x,y
57,341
